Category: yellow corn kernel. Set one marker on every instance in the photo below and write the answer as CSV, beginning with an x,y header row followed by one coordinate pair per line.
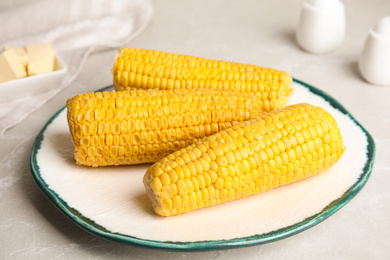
x,y
239,172
150,69
134,125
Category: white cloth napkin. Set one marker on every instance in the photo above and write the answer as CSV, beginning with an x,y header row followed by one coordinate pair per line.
x,y
75,29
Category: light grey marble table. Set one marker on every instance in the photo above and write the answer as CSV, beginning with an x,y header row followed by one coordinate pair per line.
x,y
259,32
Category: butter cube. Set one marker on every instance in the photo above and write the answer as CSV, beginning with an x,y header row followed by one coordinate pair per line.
x,y
10,66
21,52
40,59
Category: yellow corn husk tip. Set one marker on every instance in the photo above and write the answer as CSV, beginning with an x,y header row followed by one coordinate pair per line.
x,y
274,149
150,69
143,126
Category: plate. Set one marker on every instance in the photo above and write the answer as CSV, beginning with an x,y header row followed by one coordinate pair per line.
x,y
111,202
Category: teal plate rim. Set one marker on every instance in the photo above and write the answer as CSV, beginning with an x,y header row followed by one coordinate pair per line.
x,y
207,245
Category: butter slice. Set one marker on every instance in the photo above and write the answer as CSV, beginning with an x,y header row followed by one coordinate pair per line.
x,y
40,59
10,66
20,51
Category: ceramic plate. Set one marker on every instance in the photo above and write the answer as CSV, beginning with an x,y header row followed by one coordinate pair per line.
x,y
111,202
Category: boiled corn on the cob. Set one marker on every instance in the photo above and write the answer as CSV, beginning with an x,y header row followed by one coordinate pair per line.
x,y
132,127
274,149
149,69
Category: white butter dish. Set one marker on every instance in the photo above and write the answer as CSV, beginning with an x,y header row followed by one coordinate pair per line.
x,y
33,84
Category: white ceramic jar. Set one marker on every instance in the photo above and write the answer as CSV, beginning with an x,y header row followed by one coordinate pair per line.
x,y
374,60
321,26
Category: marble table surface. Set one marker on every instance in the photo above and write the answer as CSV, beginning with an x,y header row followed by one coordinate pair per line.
x,y
258,32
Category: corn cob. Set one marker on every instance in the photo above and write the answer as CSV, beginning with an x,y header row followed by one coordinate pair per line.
x,y
149,69
274,149
132,127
